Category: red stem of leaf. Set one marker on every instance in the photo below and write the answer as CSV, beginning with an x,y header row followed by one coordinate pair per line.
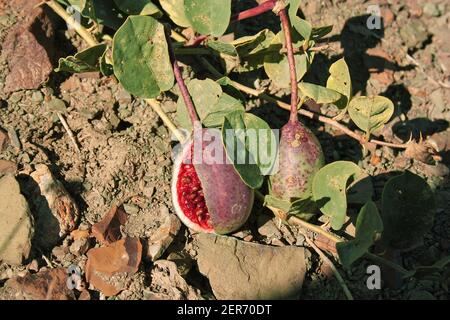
x,y
253,12
290,54
180,81
196,41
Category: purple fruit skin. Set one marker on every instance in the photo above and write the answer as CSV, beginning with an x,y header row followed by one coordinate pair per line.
x,y
300,157
228,198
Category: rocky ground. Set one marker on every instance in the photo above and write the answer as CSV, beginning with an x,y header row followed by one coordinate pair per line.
x,y
115,192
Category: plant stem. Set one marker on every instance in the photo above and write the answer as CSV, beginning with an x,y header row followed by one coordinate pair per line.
x,y
181,84
336,239
197,41
336,273
59,10
169,124
256,11
293,118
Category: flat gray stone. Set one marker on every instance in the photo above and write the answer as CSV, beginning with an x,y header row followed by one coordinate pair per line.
x,y
16,226
243,270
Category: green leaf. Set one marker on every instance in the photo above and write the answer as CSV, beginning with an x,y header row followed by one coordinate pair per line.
x,y
244,135
225,105
318,93
408,209
137,7
274,202
368,227
252,49
370,113
175,10
330,187
84,61
222,47
210,102
276,64
320,32
340,81
304,209
106,67
103,12
209,17
302,26
141,57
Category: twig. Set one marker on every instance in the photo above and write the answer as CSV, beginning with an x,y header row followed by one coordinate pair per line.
x,y
256,11
293,118
336,273
59,10
169,124
181,84
69,131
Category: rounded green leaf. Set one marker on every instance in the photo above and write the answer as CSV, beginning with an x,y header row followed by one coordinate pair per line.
x,y
141,57
408,209
175,10
368,227
318,93
276,64
370,113
244,135
138,7
330,187
340,81
209,17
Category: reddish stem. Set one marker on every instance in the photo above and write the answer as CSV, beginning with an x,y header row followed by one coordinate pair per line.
x,y
253,12
290,53
180,81
197,41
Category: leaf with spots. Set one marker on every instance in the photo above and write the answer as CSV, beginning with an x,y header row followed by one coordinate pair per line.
x,y
368,228
208,17
138,7
84,61
176,11
141,57
318,93
330,187
370,113
408,209
276,63
340,81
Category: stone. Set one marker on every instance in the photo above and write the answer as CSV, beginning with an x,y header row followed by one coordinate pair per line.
x,y
7,166
431,10
29,48
16,224
55,210
4,139
108,267
242,270
414,33
45,285
163,237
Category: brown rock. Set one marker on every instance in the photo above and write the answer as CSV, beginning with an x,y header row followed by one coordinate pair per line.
x,y
45,285
388,16
56,212
107,268
107,230
242,270
29,48
7,167
167,283
163,237
4,139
